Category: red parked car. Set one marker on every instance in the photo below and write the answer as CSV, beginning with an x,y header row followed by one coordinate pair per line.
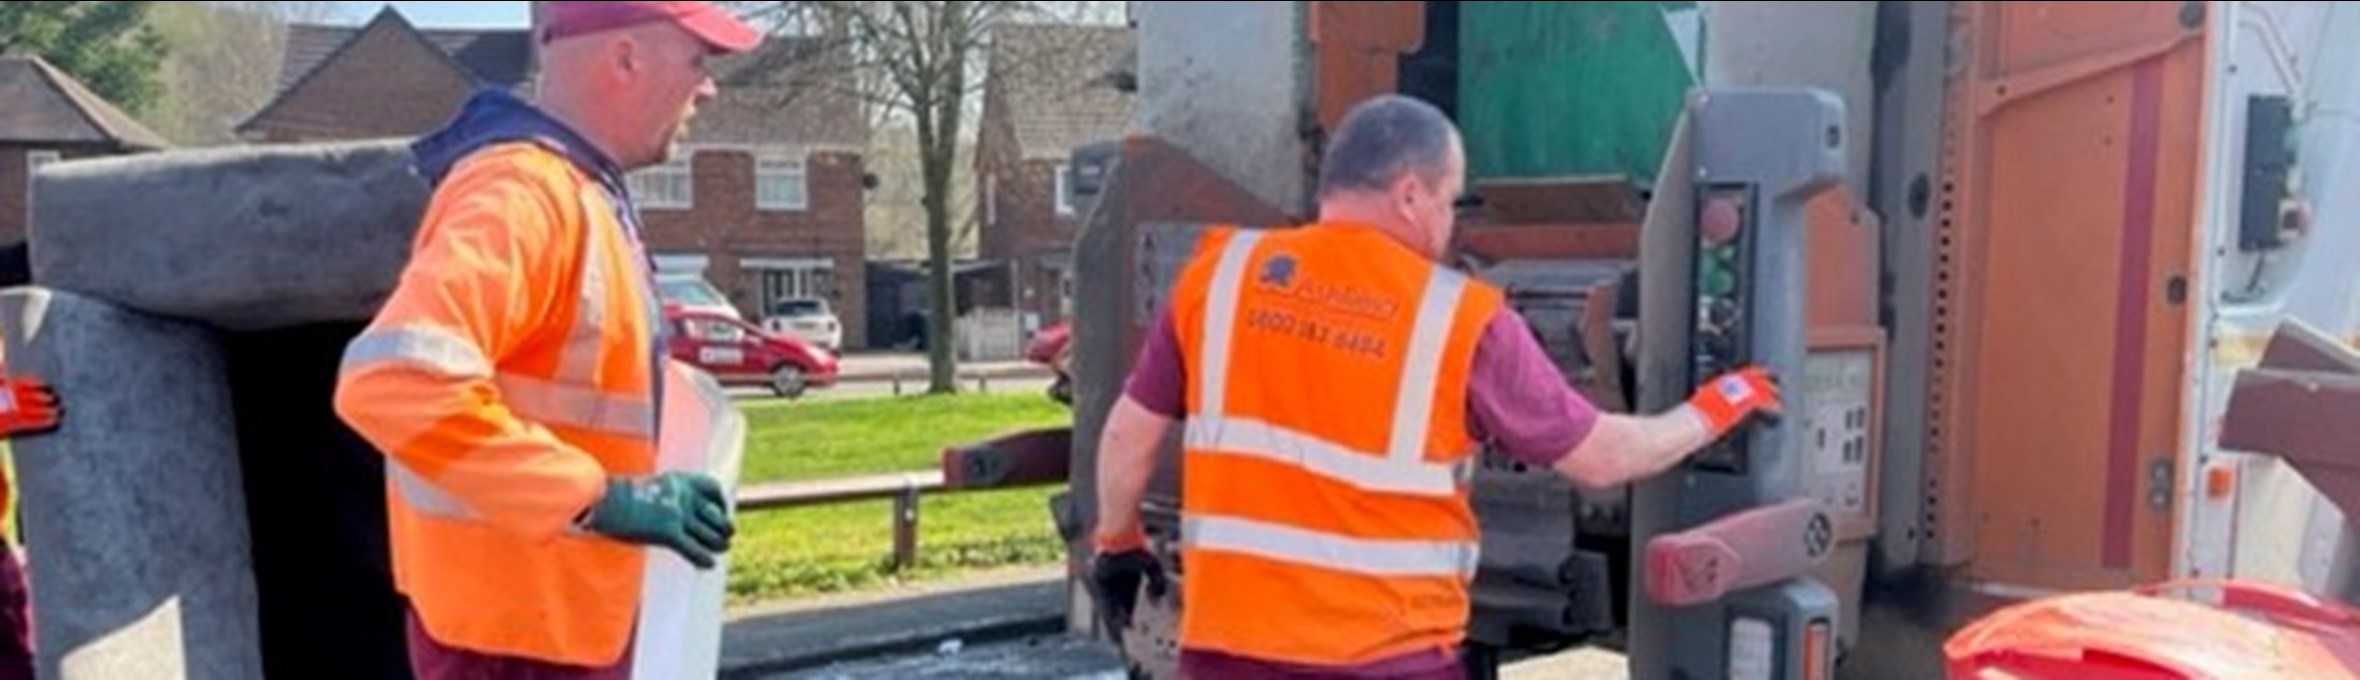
x,y
1053,348
739,353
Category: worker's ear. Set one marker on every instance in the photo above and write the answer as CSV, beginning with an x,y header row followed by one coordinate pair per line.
x,y
1407,191
627,56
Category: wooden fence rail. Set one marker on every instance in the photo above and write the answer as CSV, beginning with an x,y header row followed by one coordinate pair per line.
x,y
904,489
1018,460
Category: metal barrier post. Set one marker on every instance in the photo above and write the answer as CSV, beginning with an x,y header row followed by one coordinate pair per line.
x,y
905,525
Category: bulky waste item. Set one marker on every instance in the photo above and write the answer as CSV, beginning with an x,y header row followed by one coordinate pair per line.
x,y
2184,629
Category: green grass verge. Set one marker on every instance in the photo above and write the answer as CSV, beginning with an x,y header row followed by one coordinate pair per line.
x,y
845,547
801,441
808,551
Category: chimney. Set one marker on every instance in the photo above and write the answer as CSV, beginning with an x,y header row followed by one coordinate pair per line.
x,y
540,18
532,67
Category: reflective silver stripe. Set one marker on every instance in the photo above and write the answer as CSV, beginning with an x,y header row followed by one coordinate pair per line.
x,y
577,361
1221,322
1362,470
1320,549
423,496
551,403
1413,406
426,347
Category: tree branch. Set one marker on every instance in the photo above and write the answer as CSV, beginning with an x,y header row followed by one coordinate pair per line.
x,y
929,60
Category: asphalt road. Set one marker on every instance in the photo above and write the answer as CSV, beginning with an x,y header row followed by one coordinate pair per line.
x,y
1060,657
991,626
1048,657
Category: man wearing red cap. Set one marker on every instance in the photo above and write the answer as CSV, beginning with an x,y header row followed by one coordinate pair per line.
x,y
514,376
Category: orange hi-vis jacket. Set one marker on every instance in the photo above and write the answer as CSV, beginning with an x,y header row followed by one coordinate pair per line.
x,y
7,483
506,379
1325,511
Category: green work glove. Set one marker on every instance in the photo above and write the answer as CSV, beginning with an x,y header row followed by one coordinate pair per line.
x,y
682,511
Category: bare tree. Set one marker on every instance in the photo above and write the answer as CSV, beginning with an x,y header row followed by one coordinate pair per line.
x,y
222,64
896,215
922,60
294,12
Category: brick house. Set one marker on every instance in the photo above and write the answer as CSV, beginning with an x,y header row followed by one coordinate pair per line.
x,y
765,200
46,116
1047,90
384,79
769,196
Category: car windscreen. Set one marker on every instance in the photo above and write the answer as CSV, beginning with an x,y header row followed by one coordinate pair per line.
x,y
690,292
800,308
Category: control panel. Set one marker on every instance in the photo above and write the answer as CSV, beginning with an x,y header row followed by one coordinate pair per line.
x,y
1730,537
1723,262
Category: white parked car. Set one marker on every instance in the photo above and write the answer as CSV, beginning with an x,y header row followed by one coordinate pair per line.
x,y
810,319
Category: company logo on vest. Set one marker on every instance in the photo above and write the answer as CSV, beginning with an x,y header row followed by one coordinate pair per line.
x,y
1281,275
1279,272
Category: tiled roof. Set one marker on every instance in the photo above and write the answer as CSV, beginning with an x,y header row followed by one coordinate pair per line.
x,y
42,105
495,56
784,92
762,101
1056,82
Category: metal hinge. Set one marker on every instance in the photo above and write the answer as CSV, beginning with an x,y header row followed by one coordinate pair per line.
x,y
2159,483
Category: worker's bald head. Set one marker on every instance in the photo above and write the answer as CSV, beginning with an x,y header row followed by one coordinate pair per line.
x,y
1384,138
630,89
1395,162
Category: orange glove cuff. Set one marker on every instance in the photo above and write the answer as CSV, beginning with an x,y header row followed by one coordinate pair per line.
x,y
1727,399
1117,542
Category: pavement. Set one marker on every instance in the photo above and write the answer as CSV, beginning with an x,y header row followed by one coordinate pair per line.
x,y
994,626
870,375
871,366
1032,658
797,638
880,389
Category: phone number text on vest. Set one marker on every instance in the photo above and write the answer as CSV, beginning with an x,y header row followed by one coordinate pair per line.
x,y
1287,323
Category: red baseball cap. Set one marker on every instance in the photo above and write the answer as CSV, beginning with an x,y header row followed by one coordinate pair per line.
x,y
715,26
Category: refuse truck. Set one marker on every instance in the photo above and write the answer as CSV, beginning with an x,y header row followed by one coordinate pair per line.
x,y
2011,258
2018,261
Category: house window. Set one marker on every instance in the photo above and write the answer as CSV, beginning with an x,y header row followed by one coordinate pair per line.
x,y
671,186
1064,192
991,200
33,162
780,182
1064,293
784,280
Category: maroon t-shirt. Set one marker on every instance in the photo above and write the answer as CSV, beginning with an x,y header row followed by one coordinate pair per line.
x,y
1516,399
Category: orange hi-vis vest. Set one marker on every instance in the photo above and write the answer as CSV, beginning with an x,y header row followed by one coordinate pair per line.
x,y
506,379
1327,465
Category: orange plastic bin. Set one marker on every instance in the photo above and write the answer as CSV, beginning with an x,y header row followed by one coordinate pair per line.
x,y
2175,630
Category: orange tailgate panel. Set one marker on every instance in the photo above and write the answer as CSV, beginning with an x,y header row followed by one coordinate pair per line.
x,y
2060,291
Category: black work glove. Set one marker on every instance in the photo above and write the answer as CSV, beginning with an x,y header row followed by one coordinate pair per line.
x,y
1114,582
682,511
